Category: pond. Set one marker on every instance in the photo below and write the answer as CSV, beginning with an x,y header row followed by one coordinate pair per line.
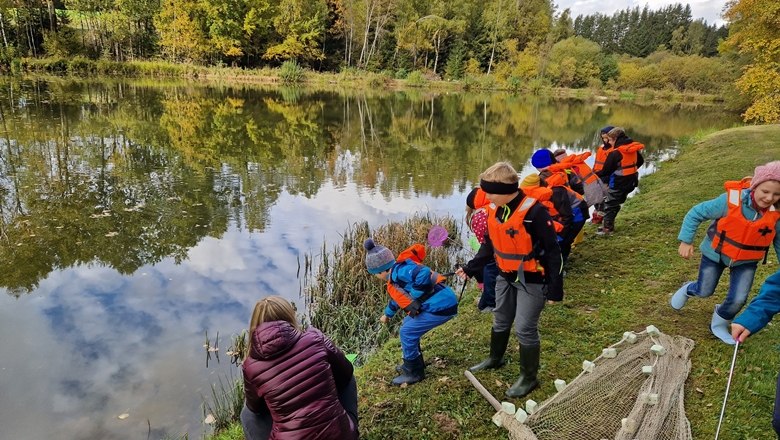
x,y
138,216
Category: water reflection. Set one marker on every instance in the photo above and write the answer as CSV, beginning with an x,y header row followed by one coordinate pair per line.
x,y
137,216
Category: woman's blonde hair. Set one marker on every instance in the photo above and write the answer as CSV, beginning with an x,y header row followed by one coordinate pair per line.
x,y
501,172
272,308
616,133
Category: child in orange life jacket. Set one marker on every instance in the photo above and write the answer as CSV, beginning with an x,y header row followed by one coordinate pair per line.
x,y
746,222
521,239
476,217
543,158
421,293
602,152
621,171
572,212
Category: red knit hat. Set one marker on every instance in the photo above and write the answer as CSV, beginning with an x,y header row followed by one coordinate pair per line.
x,y
763,173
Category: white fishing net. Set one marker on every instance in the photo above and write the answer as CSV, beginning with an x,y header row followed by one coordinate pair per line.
x,y
633,390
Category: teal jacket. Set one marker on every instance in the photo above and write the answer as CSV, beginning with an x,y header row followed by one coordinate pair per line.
x,y
415,279
763,307
713,210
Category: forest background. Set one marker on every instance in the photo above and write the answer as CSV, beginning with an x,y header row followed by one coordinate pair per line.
x,y
488,44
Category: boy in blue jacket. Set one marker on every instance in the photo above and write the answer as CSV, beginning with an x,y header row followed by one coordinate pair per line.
x,y
421,293
755,317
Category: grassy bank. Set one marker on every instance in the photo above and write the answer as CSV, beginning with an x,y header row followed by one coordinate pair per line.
x,y
292,74
614,284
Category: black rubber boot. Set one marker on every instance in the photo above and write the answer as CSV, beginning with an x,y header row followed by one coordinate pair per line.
x,y
413,372
529,367
498,343
400,367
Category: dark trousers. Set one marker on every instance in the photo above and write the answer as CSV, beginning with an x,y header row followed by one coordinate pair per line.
x,y
258,426
615,198
488,298
568,238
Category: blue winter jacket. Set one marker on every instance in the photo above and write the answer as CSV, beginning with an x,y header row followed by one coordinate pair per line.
x,y
715,209
763,307
415,279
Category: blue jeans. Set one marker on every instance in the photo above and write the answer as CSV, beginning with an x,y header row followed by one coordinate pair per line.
x,y
488,298
740,282
413,329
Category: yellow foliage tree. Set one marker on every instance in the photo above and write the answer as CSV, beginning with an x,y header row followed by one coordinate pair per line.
x,y
755,32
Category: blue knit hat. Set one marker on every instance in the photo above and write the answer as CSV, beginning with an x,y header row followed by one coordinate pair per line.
x,y
378,258
606,129
542,159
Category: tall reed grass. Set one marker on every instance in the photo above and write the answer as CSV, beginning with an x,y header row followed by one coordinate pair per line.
x,y
345,302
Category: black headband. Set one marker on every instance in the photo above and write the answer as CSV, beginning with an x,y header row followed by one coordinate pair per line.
x,y
498,187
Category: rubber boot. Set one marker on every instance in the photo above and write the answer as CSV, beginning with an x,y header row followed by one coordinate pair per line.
x,y
720,328
414,371
529,367
400,367
680,297
498,343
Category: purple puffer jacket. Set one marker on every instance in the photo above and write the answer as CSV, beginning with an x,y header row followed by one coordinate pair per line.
x,y
296,376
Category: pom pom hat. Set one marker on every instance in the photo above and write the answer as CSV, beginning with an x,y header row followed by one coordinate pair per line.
x,y
378,258
763,173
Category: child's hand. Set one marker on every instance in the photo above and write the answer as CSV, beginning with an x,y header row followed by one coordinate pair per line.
x,y
461,274
383,319
685,250
739,333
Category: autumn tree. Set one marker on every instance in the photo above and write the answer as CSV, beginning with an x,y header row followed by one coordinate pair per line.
x,y
755,34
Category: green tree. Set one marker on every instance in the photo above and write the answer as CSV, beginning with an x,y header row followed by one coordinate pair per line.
x,y
301,27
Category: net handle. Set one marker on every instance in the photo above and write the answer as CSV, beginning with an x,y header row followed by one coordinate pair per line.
x,y
482,390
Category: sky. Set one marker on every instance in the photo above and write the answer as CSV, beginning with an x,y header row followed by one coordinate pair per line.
x,y
709,10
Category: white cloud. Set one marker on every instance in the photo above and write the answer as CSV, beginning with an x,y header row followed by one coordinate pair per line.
x,y
706,9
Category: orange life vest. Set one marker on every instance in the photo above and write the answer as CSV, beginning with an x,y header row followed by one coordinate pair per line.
x,y
601,158
628,163
578,165
543,195
404,299
735,236
512,245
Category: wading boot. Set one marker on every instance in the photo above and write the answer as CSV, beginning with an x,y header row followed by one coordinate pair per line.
x,y
413,371
680,297
498,343
720,328
529,367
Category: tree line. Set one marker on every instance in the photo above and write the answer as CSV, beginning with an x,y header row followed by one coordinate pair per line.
x,y
508,43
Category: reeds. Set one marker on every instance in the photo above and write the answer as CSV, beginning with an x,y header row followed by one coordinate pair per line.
x,y
227,400
345,301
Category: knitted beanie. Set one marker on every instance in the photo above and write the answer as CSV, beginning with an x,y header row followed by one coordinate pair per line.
x,y
378,258
770,171
606,129
542,159
530,180
559,154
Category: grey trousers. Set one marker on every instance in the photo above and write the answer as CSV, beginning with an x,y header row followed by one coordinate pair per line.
x,y
521,304
258,426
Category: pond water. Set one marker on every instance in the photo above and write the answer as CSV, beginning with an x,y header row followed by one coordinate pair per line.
x,y
137,216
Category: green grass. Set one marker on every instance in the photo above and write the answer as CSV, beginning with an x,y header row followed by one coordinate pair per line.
x,y
614,284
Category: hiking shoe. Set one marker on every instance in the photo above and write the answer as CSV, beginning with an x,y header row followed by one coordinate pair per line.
x,y
680,297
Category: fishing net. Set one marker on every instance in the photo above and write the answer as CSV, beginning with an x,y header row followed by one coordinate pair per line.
x,y
633,390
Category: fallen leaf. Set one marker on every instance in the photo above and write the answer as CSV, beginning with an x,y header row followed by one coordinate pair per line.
x,y
699,390
444,379
209,419
123,416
